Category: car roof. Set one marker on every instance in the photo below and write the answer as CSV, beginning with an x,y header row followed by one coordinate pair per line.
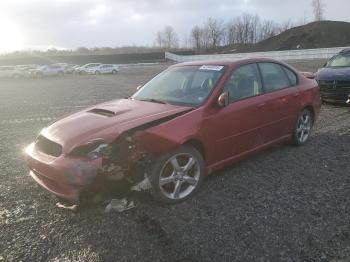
x,y
345,51
230,62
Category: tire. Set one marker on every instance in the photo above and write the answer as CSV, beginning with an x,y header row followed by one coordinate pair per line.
x,y
39,75
97,72
303,126
114,72
16,76
171,181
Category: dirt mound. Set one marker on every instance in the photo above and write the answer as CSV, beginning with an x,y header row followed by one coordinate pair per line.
x,y
313,35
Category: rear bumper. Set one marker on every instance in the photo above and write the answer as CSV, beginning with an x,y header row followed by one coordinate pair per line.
x,y
63,176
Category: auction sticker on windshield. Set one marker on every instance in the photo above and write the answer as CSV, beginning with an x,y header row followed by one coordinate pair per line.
x,y
211,67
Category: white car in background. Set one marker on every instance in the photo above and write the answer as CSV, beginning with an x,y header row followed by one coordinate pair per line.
x,y
27,67
47,70
104,69
11,72
85,68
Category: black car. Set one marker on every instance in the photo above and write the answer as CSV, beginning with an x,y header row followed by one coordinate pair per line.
x,y
334,78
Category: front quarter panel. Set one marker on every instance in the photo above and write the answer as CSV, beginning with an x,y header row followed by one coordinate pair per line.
x,y
310,95
167,136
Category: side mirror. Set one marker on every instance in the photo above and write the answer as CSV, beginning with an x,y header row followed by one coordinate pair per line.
x,y
139,87
223,99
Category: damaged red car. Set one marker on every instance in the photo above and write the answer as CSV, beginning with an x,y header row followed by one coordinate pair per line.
x,y
187,122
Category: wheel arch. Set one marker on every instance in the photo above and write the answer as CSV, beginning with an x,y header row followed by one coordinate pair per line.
x,y
311,109
197,144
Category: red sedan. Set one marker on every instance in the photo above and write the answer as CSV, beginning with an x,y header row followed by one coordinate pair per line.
x,y
187,122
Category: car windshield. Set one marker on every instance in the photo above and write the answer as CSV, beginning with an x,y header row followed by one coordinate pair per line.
x,y
339,61
185,85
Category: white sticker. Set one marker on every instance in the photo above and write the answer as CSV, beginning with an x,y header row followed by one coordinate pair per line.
x,y
211,67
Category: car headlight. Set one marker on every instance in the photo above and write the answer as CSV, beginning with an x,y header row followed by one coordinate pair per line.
x,y
93,150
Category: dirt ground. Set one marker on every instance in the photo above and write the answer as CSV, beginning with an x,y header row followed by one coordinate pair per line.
x,y
286,204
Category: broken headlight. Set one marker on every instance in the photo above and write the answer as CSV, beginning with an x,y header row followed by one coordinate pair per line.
x,y
93,150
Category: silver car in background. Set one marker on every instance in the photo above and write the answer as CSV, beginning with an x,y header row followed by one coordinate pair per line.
x,y
85,68
11,72
47,70
104,69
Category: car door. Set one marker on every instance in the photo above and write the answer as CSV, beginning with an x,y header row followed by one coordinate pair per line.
x,y
105,69
47,70
281,100
235,128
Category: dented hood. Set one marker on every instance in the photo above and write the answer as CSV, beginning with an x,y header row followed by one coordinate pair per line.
x,y
107,121
329,73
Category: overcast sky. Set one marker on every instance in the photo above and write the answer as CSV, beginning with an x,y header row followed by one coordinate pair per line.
x,y
94,23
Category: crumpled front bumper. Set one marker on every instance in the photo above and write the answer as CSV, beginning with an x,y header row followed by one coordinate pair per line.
x,y
64,176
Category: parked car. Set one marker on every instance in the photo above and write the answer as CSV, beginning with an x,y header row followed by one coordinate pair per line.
x,y
11,72
334,78
187,122
104,69
85,68
27,67
69,68
47,70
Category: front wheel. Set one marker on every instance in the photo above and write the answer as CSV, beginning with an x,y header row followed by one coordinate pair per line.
x,y
114,72
302,130
177,176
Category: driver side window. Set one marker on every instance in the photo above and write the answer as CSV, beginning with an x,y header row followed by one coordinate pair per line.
x,y
244,82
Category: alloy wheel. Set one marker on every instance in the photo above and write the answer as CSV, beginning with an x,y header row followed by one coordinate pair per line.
x,y
179,176
304,127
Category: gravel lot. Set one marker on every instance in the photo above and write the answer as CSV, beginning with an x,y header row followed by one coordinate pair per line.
x,y
287,204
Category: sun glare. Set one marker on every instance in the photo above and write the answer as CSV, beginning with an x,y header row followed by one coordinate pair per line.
x,y
11,37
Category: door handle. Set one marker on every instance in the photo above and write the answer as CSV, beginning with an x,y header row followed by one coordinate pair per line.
x,y
261,105
296,94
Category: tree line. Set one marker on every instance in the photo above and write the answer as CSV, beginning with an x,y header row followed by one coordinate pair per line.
x,y
244,29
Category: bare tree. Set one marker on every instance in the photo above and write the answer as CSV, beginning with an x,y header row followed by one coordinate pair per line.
x,y
268,29
214,32
159,39
170,38
318,8
230,32
167,38
197,37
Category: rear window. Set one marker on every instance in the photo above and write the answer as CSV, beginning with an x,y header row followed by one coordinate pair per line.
x,y
274,77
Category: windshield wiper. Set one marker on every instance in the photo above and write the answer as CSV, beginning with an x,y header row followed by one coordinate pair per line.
x,y
153,100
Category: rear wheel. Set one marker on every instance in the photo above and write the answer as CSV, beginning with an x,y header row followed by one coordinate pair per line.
x,y
97,72
177,176
302,130
114,72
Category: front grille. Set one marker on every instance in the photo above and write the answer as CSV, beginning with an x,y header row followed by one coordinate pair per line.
x,y
334,85
48,147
